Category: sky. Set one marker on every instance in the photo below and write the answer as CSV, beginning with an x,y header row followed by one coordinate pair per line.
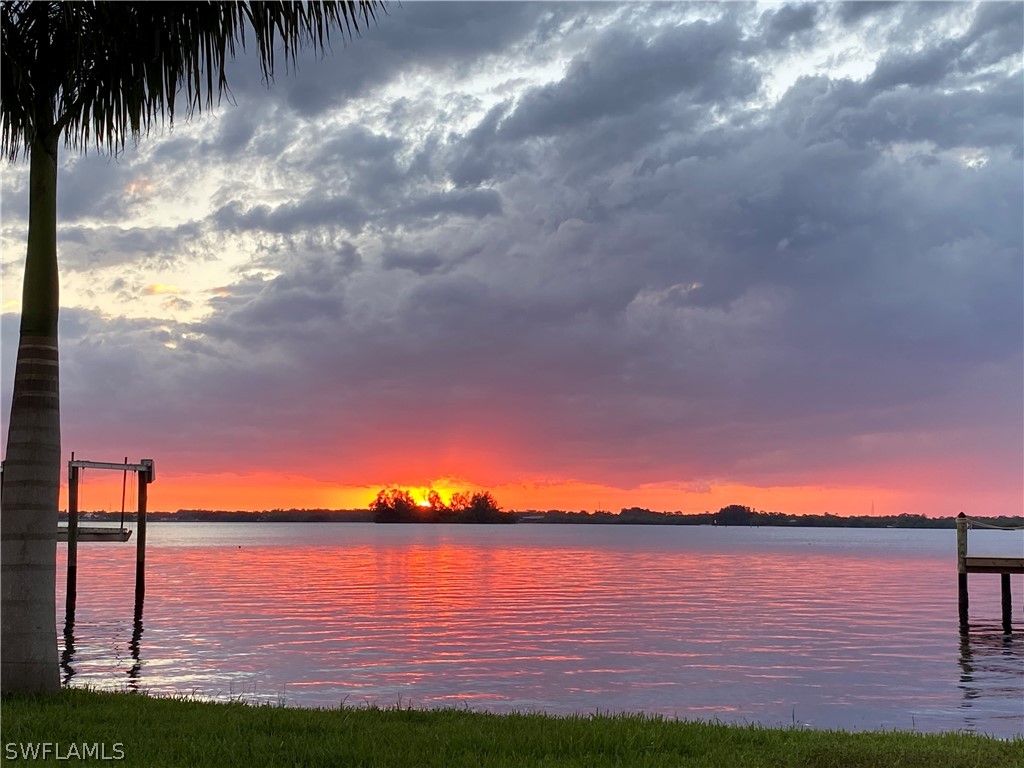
x,y
584,256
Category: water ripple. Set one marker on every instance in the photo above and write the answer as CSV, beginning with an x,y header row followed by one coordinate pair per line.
x,y
833,628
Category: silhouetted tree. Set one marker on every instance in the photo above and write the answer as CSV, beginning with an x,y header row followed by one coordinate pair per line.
x,y
482,509
393,505
434,500
734,514
460,501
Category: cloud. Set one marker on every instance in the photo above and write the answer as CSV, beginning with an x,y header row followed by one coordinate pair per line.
x,y
420,263
996,34
787,22
586,243
622,73
86,248
418,37
157,289
472,203
853,12
927,68
313,211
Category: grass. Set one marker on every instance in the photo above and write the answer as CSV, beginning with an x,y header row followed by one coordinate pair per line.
x,y
182,732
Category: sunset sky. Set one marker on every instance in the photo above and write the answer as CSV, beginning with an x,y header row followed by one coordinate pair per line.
x,y
581,255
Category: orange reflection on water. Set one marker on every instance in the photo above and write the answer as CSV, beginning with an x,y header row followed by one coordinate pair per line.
x,y
742,622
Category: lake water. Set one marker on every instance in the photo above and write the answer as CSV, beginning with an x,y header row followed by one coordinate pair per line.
x,y
825,628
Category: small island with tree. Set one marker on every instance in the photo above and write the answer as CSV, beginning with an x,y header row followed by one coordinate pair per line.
x,y
394,505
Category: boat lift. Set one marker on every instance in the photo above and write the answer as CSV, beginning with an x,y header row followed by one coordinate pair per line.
x,y
94,532
73,532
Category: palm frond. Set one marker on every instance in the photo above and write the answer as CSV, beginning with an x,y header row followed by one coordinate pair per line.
x,y
101,71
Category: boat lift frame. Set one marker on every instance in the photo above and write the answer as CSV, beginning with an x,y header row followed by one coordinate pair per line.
x,y
146,471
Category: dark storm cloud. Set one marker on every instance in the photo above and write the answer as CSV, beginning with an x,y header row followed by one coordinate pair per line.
x,y
790,20
111,401
258,312
996,34
419,36
873,112
475,203
85,248
852,12
476,156
356,151
637,272
617,98
915,69
92,186
622,73
420,263
808,203
315,210
236,129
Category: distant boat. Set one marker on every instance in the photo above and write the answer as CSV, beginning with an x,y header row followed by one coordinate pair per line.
x,y
95,533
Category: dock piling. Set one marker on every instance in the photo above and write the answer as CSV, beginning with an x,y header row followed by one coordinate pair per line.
x,y
1007,602
145,478
961,568
71,593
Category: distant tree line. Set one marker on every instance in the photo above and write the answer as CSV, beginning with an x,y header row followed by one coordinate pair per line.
x,y
736,514
394,505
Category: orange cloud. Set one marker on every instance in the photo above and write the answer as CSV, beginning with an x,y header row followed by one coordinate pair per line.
x,y
138,188
160,289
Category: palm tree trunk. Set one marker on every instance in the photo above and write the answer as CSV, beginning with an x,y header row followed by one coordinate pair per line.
x,y
31,481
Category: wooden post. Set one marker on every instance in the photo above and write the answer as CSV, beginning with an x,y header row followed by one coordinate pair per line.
x,y
1007,607
72,586
961,567
140,532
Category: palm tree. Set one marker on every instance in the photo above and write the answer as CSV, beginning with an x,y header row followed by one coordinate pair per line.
x,y
95,73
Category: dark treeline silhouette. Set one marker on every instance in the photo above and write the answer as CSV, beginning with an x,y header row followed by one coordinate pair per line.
x,y
736,514
395,505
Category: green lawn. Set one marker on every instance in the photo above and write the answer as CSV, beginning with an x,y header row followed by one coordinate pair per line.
x,y
176,732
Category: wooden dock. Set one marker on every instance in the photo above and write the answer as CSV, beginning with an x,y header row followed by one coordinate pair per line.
x,y
1005,566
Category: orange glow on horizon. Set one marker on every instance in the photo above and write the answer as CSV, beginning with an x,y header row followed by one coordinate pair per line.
x,y
268,490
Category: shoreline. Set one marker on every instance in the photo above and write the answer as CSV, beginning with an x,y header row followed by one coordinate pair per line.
x,y
159,731
753,519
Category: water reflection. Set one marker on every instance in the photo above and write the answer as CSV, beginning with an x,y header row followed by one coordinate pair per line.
x,y
135,645
68,651
740,625
67,655
991,671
